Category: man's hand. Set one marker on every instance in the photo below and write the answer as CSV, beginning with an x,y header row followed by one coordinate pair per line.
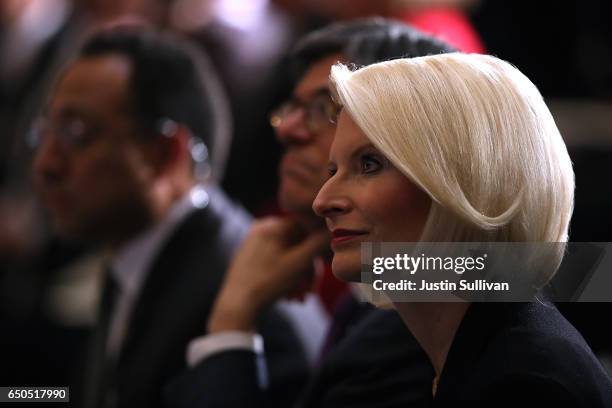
x,y
273,260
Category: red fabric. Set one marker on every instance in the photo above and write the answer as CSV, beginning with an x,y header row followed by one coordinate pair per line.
x,y
447,24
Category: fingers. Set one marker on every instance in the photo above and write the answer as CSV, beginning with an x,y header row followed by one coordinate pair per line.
x,y
314,244
286,232
290,231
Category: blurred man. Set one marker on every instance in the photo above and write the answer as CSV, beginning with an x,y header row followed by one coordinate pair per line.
x,y
373,358
123,144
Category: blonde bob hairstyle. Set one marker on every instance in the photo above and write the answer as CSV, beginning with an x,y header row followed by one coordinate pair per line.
x,y
475,134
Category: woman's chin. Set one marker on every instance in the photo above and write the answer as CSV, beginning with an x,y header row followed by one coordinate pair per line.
x,y
346,268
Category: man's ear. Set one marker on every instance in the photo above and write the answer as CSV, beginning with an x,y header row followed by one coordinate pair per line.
x,y
170,151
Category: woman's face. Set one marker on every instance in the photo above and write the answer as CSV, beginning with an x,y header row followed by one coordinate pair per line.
x,y
366,199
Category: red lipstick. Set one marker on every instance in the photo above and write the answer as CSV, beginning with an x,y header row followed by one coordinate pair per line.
x,y
341,236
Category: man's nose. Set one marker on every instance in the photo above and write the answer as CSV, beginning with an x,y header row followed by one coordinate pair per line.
x,y
292,129
50,161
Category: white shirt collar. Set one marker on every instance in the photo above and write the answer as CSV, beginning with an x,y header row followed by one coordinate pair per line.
x,y
131,263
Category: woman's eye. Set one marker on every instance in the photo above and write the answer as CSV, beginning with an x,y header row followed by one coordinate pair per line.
x,y
370,164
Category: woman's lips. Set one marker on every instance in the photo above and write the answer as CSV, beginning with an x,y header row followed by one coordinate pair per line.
x,y
342,236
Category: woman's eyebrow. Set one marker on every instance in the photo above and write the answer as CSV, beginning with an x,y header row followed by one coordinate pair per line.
x,y
361,149
356,152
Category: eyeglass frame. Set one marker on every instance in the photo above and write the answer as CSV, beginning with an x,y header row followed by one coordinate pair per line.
x,y
291,106
85,132
164,126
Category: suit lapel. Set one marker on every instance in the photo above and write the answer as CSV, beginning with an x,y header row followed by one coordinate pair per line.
x,y
165,274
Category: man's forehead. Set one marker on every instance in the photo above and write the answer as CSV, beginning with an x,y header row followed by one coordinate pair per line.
x,y
93,82
99,71
316,78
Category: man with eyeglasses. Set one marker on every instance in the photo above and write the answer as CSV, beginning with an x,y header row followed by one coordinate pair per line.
x,y
373,360
121,163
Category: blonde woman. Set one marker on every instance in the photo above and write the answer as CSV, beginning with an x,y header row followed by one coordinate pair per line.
x,y
460,147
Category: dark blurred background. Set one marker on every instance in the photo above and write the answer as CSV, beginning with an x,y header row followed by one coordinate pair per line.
x,y
48,287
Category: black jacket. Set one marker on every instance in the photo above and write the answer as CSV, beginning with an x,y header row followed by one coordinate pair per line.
x,y
521,354
175,303
379,364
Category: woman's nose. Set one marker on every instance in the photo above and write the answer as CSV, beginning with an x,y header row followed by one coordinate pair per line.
x,y
330,201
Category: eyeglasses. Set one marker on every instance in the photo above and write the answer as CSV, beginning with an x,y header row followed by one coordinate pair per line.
x,y
72,133
319,112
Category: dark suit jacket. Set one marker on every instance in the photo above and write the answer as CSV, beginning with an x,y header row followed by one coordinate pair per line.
x,y
176,300
378,364
521,354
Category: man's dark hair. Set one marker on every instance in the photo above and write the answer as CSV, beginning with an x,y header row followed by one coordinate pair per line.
x,y
170,79
364,42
